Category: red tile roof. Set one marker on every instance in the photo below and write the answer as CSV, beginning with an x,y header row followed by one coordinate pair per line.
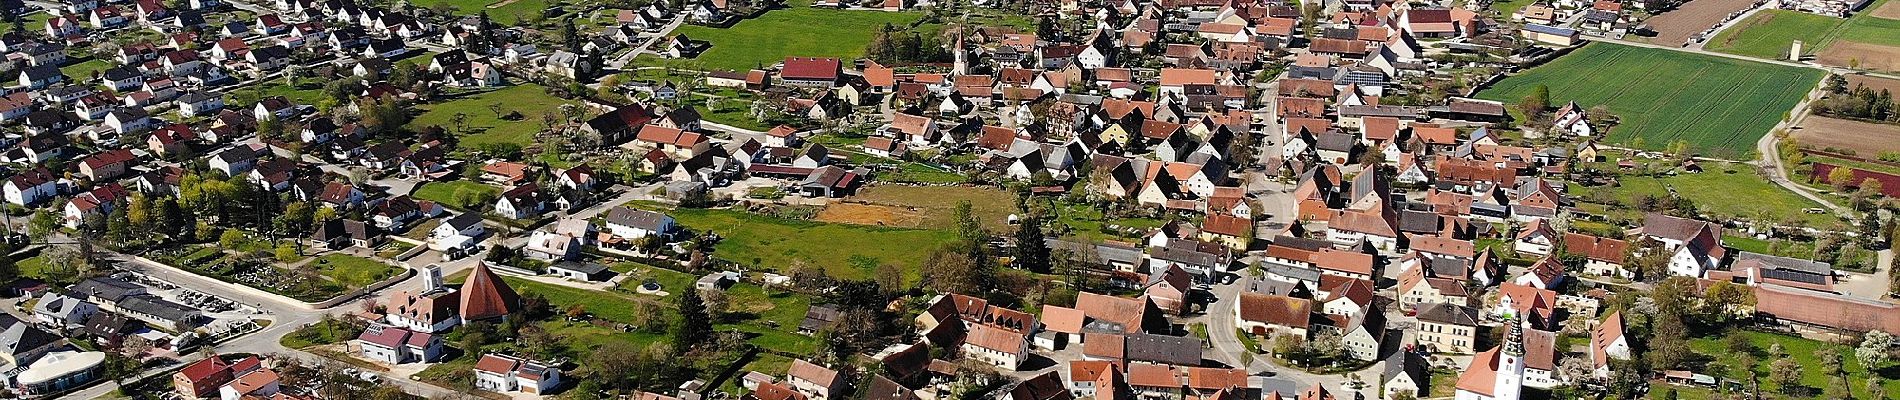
x,y
485,295
810,68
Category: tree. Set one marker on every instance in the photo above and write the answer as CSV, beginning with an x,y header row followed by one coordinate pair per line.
x,y
1840,178
1831,360
1786,374
1738,343
43,223
694,325
1875,349
1533,105
1032,252
889,278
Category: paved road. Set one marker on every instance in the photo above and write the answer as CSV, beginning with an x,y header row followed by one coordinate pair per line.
x,y
621,62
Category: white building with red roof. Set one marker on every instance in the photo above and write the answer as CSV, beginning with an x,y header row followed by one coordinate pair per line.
x,y
393,345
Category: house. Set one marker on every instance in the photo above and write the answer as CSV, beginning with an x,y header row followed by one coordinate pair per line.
x,y
554,246
1273,315
460,233
521,202
630,223
674,141
343,233
111,329
58,311
393,345
504,373
580,271
1406,375
1694,246
1535,239
161,313
107,165
1607,342
1446,328
1002,348
814,381
203,378
829,181
258,383
98,202
40,77
1169,289
170,140
821,72
198,104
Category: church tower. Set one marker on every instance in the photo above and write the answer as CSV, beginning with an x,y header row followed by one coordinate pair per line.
x,y
1510,380
961,63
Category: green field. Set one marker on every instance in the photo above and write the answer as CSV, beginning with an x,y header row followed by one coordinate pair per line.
x,y
1868,29
796,30
307,93
511,13
777,243
1719,106
444,192
532,101
82,71
1715,191
354,271
1803,352
1769,33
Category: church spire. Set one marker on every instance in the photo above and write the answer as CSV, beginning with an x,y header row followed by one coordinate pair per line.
x,y
1514,341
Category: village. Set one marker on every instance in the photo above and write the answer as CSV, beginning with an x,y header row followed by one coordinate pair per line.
x,y
937,199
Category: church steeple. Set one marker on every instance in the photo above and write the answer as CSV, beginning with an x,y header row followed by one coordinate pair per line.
x,y
1514,341
960,64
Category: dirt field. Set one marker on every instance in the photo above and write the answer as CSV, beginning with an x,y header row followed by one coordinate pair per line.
x,y
1676,26
1891,10
1868,56
920,206
1874,83
871,214
1865,138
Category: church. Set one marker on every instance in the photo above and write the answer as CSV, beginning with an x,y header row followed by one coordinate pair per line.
x,y
1498,373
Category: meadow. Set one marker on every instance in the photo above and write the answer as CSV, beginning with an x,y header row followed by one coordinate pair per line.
x,y
1769,33
1719,106
532,101
1714,191
796,30
777,244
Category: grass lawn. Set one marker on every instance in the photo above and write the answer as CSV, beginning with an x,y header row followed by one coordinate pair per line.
x,y
1662,96
1784,248
354,271
1087,222
1863,27
507,14
532,101
1802,351
1507,7
82,71
990,206
796,30
919,173
1716,191
771,318
1767,34
444,192
776,243
305,93
1444,384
